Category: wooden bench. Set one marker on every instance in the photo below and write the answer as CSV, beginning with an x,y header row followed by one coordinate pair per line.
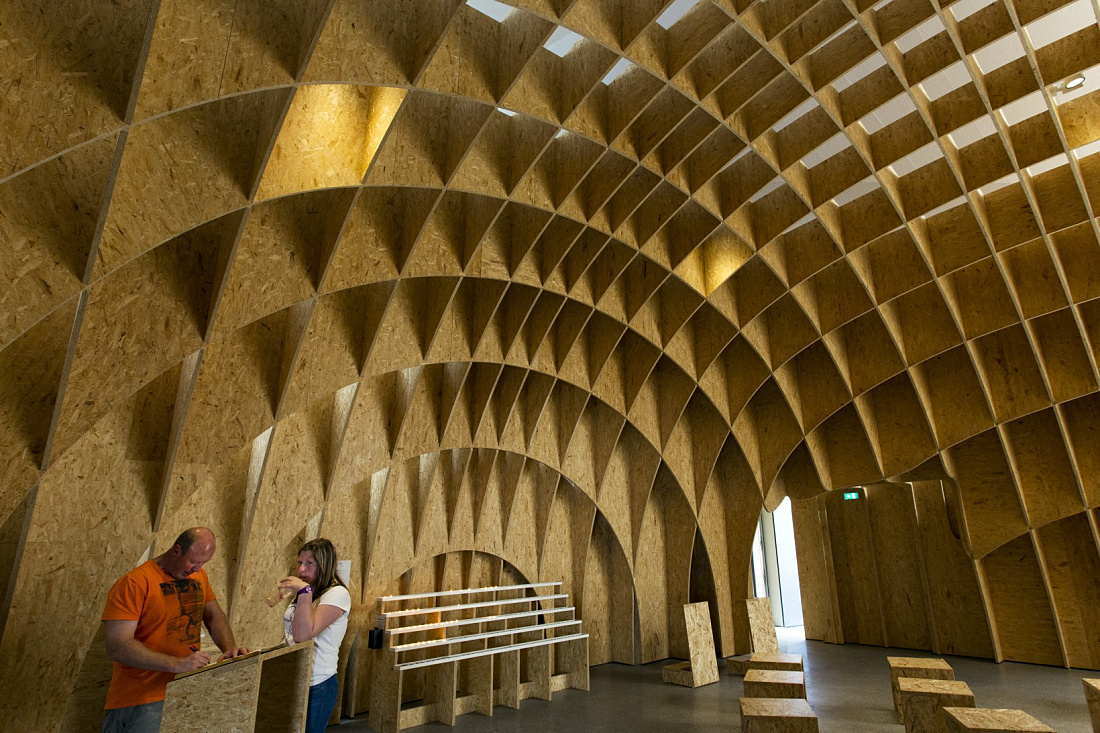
x,y
923,701
988,720
777,715
497,646
774,683
916,668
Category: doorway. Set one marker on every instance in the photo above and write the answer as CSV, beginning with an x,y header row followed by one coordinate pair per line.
x,y
775,565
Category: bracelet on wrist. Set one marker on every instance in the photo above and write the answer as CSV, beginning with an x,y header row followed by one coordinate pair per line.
x,y
307,589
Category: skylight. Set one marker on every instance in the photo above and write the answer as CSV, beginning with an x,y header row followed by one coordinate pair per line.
x,y
998,184
966,8
1086,150
915,37
953,203
945,81
1048,165
770,186
972,132
1065,21
826,150
888,114
797,113
674,12
621,67
496,11
1016,112
916,160
562,41
864,187
863,69
999,53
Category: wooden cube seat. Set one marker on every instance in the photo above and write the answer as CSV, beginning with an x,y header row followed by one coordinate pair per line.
x,y
785,662
923,701
774,683
1092,695
678,674
738,665
777,715
989,720
918,668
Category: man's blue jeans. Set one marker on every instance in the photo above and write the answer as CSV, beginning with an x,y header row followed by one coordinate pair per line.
x,y
322,699
134,719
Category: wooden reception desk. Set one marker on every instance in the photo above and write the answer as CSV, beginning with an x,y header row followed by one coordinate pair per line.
x,y
264,691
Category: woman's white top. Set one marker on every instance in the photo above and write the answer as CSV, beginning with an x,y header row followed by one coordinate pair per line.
x,y
326,645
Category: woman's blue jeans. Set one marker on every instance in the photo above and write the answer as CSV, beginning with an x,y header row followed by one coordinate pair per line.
x,y
322,699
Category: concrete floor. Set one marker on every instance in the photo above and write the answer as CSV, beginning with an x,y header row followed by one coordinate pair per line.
x,y
847,685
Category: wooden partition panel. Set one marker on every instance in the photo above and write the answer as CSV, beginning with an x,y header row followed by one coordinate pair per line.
x,y
427,280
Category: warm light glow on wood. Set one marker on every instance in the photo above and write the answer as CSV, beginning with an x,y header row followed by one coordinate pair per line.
x,y
329,138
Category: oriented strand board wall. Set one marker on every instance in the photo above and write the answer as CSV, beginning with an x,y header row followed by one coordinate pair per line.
x,y
292,268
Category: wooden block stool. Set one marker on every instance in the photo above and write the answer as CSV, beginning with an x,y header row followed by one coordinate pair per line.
x,y
785,662
777,715
738,665
923,702
1092,694
774,683
678,674
918,668
988,720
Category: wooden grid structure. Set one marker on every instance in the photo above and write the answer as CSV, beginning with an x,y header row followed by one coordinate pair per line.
x,y
399,273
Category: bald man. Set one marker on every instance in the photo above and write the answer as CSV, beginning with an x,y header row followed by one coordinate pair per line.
x,y
153,618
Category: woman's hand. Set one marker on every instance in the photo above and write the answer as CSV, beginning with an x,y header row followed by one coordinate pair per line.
x,y
291,584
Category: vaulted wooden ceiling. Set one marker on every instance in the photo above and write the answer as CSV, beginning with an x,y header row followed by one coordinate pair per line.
x,y
267,265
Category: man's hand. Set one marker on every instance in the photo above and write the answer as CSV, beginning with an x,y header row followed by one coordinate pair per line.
x,y
196,660
235,652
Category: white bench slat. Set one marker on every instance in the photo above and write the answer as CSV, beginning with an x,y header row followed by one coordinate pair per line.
x,y
483,635
478,620
479,604
487,652
488,589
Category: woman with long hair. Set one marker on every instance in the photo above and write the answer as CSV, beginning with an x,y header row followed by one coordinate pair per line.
x,y
319,611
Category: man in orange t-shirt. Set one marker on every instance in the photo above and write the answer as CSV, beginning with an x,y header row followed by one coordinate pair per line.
x,y
153,618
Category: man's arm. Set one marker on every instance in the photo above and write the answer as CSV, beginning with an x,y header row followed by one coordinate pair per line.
x,y
122,647
218,624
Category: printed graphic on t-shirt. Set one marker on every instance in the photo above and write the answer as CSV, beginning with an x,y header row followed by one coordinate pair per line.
x,y
184,629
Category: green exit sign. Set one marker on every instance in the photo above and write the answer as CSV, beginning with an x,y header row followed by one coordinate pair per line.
x,y
849,495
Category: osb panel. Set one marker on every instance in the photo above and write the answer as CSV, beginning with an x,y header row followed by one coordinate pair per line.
x,y
235,394
110,520
47,222
187,55
459,189
142,319
292,485
177,172
1020,603
68,72
31,367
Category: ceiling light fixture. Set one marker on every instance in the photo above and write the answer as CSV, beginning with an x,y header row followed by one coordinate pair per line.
x,y
1066,85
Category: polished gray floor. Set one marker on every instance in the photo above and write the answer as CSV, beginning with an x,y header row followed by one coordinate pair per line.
x,y
847,685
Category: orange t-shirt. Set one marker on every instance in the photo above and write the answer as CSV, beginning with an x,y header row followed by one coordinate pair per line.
x,y
169,619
